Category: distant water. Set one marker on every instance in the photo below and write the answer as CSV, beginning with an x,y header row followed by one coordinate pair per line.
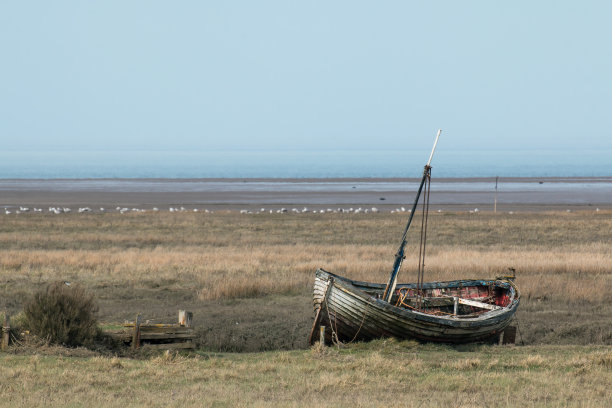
x,y
300,164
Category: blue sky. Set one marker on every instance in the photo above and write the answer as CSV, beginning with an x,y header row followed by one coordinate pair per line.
x,y
305,75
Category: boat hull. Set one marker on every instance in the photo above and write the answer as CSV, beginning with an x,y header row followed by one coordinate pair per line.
x,y
353,311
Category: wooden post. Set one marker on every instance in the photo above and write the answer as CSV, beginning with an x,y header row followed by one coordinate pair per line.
x,y
501,338
6,330
136,335
322,335
311,338
495,205
185,318
455,305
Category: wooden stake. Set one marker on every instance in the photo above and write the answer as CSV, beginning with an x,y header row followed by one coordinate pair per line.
x,y
311,338
185,318
136,335
6,330
322,336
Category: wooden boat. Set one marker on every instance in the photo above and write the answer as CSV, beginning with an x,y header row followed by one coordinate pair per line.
x,y
459,311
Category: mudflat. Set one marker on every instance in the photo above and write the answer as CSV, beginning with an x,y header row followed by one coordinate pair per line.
x,y
513,194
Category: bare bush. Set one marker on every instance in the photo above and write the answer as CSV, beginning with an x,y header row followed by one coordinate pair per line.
x,y
63,315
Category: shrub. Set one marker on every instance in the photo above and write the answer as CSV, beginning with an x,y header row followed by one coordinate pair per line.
x,y
63,315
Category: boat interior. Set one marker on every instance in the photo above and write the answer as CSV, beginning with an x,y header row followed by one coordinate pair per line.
x,y
461,301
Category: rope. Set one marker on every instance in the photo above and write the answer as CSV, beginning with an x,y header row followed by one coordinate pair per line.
x,y
423,243
335,339
334,336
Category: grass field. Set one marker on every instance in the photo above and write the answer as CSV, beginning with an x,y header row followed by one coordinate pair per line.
x,y
381,373
248,280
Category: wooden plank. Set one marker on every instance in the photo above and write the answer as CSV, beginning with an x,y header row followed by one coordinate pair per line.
x,y
172,346
166,336
158,325
148,329
478,304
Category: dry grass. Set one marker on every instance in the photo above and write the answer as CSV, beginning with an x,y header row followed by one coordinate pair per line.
x,y
556,255
382,373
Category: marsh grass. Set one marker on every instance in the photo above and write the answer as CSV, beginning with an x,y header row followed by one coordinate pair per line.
x,y
223,256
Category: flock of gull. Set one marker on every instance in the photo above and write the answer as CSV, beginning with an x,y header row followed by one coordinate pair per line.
x,y
283,210
123,210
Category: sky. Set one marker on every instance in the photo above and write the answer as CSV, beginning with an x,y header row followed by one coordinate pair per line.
x,y
305,74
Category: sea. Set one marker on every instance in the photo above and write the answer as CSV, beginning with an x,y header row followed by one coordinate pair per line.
x,y
302,164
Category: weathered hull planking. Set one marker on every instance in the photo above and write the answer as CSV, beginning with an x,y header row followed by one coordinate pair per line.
x,y
353,310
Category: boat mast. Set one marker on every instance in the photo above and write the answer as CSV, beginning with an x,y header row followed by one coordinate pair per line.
x,y
399,256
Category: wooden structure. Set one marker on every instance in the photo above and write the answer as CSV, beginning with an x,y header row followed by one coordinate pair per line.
x,y
164,336
454,312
